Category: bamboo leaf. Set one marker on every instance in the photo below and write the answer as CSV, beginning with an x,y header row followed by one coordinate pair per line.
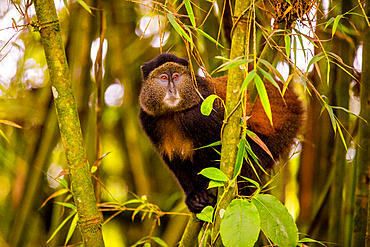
x,y
261,89
178,28
55,194
234,63
84,5
189,9
159,241
71,228
287,45
60,226
209,37
335,25
248,79
239,157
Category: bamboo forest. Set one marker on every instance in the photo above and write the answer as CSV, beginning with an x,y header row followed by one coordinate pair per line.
x,y
82,165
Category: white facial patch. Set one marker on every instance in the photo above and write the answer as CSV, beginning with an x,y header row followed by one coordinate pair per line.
x,y
172,100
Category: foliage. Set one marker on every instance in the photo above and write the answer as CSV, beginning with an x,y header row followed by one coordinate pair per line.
x,y
140,202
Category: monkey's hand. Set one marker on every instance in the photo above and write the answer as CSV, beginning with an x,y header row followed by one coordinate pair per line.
x,y
196,201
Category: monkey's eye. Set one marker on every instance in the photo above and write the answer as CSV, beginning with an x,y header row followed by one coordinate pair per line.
x,y
163,77
175,76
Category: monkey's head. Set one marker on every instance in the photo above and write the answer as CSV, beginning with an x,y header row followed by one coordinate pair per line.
x,y
167,85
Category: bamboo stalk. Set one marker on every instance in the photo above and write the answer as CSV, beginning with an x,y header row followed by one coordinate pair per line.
x,y
232,130
361,229
69,124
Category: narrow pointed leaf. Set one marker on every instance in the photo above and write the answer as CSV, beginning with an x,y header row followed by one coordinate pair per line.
x,y
263,96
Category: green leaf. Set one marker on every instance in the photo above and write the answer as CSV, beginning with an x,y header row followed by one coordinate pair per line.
x,y
190,12
206,214
239,157
60,226
84,5
178,28
269,78
240,225
272,68
309,240
209,37
71,228
287,45
276,221
263,97
330,21
63,182
315,59
215,183
67,205
335,25
214,174
218,143
207,104
234,63
248,79
159,241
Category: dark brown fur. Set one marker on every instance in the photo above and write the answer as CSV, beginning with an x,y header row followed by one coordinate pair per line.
x,y
177,132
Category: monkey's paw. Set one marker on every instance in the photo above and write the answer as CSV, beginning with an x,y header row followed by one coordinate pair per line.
x,y
196,201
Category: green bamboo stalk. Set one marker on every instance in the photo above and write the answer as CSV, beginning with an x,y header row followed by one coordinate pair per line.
x,y
70,130
361,229
190,236
232,130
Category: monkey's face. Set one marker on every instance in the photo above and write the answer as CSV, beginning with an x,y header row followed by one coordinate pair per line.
x,y
168,88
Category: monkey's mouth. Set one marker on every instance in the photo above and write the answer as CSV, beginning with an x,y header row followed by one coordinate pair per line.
x,y
171,101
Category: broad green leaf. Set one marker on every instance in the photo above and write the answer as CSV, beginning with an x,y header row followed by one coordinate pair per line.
x,y
84,5
239,157
206,214
71,228
207,104
189,9
276,221
287,45
240,225
214,174
263,97
215,183
159,241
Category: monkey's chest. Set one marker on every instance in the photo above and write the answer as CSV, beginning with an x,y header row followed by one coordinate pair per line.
x,y
174,142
